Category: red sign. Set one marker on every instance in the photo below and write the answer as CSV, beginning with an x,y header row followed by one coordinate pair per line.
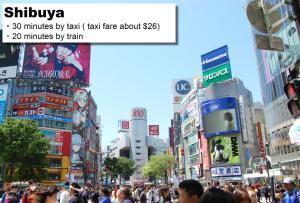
x,y
125,124
53,106
154,130
25,112
138,113
57,100
33,99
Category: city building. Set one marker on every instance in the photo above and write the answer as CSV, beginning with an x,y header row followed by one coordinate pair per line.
x,y
53,94
229,125
136,142
274,69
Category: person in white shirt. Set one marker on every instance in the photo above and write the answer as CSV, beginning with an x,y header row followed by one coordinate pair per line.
x,y
64,196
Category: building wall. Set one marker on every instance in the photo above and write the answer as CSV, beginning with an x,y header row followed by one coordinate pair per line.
x,y
273,68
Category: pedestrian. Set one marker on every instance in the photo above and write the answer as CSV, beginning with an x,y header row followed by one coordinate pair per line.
x,y
124,195
104,193
216,195
241,195
64,195
75,196
190,191
258,194
165,195
267,193
226,187
290,195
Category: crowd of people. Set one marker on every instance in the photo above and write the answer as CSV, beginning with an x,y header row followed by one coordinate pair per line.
x,y
188,191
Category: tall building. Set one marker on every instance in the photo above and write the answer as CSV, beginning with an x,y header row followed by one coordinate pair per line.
x,y
136,142
273,69
229,125
53,93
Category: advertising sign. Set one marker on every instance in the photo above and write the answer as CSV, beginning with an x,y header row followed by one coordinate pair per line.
x,y
123,125
154,130
8,72
294,132
226,171
48,117
180,89
138,114
56,141
57,61
28,99
56,100
3,96
80,111
215,58
220,116
217,74
224,150
8,53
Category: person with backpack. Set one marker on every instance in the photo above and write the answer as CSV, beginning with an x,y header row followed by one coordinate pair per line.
x,y
11,196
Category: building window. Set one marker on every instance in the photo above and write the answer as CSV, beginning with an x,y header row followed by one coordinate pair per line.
x,y
53,176
138,141
138,147
138,153
55,163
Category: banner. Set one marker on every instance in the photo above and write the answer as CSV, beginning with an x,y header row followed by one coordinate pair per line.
x,y
57,61
215,58
224,150
3,97
226,171
154,130
123,125
217,74
220,116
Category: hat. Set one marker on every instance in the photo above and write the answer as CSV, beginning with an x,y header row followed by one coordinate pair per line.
x,y
288,180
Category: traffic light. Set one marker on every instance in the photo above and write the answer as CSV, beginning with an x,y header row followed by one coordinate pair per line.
x,y
292,91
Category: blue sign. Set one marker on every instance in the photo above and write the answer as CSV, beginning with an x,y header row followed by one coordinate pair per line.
x,y
226,171
215,58
220,116
49,117
183,87
2,111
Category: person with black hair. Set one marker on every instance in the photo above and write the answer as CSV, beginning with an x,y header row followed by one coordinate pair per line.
x,y
75,196
217,195
190,191
105,195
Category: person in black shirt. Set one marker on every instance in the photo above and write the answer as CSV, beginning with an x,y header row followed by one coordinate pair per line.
x,y
75,196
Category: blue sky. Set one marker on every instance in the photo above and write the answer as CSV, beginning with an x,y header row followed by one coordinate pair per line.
x,y
125,76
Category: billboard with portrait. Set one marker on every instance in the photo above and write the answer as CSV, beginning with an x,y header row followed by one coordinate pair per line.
x,y
220,116
80,111
57,61
224,150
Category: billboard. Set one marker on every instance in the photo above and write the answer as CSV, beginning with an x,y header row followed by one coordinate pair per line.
x,y
57,61
180,88
217,74
3,97
220,116
226,171
8,72
56,141
78,145
9,53
123,125
138,114
154,130
224,150
215,58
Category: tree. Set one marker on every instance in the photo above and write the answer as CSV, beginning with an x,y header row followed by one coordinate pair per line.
x,y
158,165
111,167
23,150
126,167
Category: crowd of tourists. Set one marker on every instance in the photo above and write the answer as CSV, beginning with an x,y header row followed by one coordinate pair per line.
x,y
188,191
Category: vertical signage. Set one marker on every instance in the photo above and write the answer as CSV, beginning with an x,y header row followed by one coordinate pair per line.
x,y
3,97
154,130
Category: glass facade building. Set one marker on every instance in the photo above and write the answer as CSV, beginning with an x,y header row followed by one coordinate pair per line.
x,y
273,69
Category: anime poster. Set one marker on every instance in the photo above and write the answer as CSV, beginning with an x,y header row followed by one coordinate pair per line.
x,y
66,61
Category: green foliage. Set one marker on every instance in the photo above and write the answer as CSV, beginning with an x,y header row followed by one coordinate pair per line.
x,y
158,165
119,166
126,167
23,150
